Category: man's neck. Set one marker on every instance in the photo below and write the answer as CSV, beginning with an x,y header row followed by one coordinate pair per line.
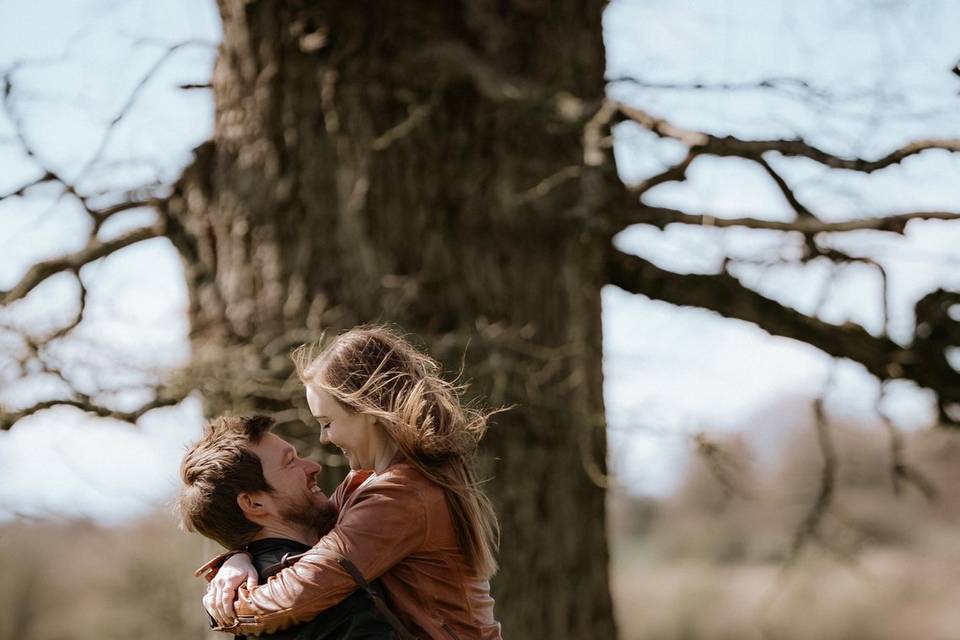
x,y
287,531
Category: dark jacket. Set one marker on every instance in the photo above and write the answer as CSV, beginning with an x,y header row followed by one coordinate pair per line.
x,y
353,619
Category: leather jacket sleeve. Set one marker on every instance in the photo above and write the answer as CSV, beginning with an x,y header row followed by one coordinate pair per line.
x,y
386,523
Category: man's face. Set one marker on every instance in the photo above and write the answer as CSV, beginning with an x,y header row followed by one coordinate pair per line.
x,y
296,498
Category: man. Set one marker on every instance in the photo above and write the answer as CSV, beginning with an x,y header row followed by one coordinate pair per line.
x,y
247,488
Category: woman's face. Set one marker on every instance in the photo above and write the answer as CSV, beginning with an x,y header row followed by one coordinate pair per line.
x,y
352,432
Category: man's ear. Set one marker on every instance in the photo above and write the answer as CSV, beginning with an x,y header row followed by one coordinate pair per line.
x,y
251,503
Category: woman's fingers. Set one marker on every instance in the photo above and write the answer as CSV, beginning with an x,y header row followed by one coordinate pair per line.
x,y
226,606
218,602
210,604
222,591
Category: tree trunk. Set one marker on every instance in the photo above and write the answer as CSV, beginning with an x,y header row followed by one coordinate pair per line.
x,y
387,162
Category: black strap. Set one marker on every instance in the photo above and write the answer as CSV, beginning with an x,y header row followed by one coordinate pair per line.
x,y
350,568
378,600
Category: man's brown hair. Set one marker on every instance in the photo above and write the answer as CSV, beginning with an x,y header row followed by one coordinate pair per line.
x,y
214,471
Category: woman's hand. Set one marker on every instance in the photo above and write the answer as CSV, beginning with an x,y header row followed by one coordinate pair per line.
x,y
222,591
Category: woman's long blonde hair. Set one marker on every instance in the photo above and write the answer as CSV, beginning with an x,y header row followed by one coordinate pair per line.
x,y
373,370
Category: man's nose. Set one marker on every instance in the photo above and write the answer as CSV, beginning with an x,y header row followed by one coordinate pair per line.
x,y
311,467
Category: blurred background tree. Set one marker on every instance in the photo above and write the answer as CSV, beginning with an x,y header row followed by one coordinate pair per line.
x,y
450,168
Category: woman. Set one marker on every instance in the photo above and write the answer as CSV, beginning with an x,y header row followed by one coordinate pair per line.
x,y
411,512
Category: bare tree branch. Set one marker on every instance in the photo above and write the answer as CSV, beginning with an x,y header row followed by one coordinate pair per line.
x,y
49,175
923,362
675,173
94,250
664,128
163,395
77,319
100,207
785,189
593,134
84,403
418,114
46,177
548,184
134,96
840,257
752,149
638,213
453,60
792,86
103,214
726,295
809,528
725,468
901,472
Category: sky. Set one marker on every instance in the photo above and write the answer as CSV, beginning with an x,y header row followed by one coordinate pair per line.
x,y
669,372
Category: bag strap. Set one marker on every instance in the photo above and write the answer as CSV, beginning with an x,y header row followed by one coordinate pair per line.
x,y
378,600
373,594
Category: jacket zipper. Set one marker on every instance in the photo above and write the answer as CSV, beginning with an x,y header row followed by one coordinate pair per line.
x,y
449,631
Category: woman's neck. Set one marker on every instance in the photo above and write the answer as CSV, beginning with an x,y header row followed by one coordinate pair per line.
x,y
384,455
384,450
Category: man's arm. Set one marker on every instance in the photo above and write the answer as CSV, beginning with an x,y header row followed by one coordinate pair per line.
x,y
386,524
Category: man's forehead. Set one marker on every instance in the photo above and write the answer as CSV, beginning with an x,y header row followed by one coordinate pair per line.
x,y
274,446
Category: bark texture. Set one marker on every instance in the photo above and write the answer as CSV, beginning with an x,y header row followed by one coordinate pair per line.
x,y
387,162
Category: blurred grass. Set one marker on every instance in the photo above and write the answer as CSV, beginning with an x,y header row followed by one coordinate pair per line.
x,y
75,580
707,563
891,595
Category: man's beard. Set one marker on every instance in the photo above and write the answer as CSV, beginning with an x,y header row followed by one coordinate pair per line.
x,y
304,511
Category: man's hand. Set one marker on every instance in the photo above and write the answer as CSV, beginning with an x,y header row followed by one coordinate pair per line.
x,y
222,591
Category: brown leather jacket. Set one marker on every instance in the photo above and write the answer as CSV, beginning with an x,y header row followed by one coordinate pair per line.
x,y
396,526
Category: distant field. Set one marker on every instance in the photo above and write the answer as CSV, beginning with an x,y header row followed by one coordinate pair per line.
x,y
890,594
77,581
706,563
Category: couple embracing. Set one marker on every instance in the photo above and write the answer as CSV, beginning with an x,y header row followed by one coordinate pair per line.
x,y
404,548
